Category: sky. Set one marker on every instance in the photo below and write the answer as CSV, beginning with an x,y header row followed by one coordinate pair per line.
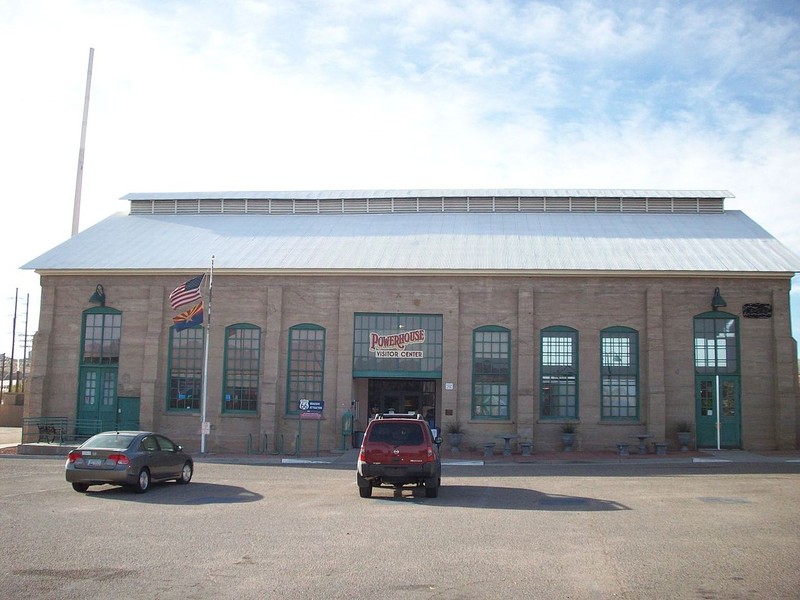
x,y
235,95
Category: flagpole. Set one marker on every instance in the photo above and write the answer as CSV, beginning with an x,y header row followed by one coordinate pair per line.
x,y
204,425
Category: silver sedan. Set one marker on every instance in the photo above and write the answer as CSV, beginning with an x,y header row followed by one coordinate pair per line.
x,y
130,458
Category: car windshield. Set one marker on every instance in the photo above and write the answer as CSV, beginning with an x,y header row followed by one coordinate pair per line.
x,y
111,441
396,433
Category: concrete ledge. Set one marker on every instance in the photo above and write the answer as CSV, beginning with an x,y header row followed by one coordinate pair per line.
x,y
45,449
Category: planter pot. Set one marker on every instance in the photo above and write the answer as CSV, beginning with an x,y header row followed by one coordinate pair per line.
x,y
568,441
684,439
454,439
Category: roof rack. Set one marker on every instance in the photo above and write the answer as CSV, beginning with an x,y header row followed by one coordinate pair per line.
x,y
408,415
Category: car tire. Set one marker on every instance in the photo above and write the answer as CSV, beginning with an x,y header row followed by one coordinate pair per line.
x,y
432,487
142,481
186,474
80,487
365,492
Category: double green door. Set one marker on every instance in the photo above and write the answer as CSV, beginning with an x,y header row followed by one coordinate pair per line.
x,y
718,407
99,407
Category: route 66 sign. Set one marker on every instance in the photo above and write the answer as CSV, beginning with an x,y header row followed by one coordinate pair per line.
x,y
310,405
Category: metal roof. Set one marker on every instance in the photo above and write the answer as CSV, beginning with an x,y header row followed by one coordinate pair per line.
x,y
449,242
429,193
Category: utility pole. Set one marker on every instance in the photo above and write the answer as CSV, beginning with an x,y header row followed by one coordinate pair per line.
x,y
13,341
2,376
25,342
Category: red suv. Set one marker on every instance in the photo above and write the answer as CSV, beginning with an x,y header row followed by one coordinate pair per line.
x,y
399,449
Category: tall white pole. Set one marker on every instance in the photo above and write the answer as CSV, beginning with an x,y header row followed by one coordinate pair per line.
x,y
204,425
719,422
76,209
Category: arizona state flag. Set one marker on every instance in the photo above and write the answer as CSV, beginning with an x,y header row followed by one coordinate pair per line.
x,y
189,318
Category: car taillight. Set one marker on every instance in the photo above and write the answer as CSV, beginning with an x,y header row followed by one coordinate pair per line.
x,y
120,459
362,455
430,454
73,456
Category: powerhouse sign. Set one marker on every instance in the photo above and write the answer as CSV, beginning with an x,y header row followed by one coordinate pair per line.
x,y
395,345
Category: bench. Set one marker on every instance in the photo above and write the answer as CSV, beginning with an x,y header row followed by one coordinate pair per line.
x,y
43,429
59,430
49,433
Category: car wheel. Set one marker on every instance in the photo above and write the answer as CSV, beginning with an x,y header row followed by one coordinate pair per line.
x,y
186,473
365,492
80,487
432,487
143,482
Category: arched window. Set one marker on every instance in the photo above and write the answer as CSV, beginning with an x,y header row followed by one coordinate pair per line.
x,y
99,365
242,362
491,373
185,368
558,384
619,373
716,344
102,330
306,365
717,380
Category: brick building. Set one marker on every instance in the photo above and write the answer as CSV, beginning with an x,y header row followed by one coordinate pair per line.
x,y
505,311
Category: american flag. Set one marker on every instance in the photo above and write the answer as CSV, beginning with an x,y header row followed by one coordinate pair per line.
x,y
186,292
189,318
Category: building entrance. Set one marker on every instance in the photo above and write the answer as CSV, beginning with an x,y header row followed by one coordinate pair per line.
x,y
403,395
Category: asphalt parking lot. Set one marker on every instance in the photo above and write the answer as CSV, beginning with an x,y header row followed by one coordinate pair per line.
x,y
658,530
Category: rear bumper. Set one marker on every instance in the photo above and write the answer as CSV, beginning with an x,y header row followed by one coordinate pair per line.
x,y
118,476
398,473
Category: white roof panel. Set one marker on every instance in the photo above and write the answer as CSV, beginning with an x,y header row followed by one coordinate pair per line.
x,y
428,193
722,242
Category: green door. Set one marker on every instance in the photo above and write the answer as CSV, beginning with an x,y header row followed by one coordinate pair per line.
x,y
718,405
97,400
128,413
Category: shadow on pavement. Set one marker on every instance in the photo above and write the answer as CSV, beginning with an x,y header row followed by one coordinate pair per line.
x,y
171,493
493,497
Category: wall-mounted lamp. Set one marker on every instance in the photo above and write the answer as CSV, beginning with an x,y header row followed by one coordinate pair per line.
x,y
99,296
717,301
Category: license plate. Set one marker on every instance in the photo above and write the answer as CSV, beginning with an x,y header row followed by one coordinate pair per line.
x,y
95,462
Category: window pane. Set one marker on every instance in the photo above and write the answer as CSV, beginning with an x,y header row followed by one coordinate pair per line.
x,y
186,369
558,385
101,339
491,361
619,374
306,366
715,345
242,360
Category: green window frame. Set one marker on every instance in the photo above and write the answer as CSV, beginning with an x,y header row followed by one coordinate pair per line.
x,y
716,347
185,369
101,335
242,364
491,373
558,379
306,365
619,374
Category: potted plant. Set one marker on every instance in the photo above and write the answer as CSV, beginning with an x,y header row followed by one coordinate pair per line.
x,y
568,430
684,435
455,434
